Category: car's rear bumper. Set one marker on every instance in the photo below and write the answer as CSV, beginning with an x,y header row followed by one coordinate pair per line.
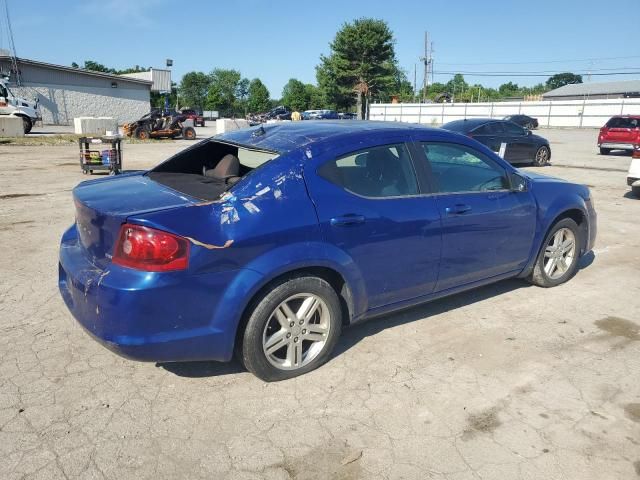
x,y
147,316
617,145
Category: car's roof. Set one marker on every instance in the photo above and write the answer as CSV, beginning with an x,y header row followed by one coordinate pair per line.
x,y
287,136
468,124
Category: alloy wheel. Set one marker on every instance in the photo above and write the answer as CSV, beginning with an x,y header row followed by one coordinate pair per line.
x,y
296,332
559,253
542,156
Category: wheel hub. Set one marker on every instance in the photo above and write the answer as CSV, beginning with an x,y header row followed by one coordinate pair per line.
x,y
296,331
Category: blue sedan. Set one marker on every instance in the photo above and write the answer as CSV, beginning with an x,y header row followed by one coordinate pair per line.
x,y
267,241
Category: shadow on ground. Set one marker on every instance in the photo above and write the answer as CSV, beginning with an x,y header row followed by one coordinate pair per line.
x,y
352,335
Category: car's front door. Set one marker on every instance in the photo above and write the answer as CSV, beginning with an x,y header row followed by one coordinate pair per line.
x,y
487,229
371,206
522,148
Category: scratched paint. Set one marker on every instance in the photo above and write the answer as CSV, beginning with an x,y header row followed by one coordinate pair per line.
x,y
251,207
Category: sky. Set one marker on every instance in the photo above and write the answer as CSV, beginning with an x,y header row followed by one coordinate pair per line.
x,y
282,39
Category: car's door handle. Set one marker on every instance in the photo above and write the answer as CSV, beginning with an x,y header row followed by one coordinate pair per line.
x,y
458,209
346,220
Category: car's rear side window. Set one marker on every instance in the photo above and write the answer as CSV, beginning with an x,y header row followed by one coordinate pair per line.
x,y
378,172
457,168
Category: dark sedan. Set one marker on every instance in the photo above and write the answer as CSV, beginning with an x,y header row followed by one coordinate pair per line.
x,y
514,143
524,121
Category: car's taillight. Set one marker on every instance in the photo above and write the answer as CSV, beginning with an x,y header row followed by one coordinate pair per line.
x,y
152,250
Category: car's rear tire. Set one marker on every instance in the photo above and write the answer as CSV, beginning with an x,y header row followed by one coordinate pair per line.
x,y
142,133
292,329
605,151
635,191
557,260
543,154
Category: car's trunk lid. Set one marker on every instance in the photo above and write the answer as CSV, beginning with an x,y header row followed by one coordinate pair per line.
x,y
103,206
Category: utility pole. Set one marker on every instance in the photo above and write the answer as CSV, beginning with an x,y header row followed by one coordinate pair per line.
x,y
428,65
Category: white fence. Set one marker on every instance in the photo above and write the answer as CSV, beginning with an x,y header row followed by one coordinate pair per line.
x,y
567,113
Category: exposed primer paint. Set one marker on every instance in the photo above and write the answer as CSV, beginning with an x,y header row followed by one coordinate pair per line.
x,y
104,274
209,246
229,215
251,207
308,153
263,191
277,193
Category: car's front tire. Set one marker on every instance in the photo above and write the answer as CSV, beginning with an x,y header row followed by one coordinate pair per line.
x,y
557,260
605,151
292,329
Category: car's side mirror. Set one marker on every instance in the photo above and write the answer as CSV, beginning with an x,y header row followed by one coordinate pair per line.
x,y
518,182
527,132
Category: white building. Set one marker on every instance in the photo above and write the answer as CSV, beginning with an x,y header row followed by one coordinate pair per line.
x,y
67,92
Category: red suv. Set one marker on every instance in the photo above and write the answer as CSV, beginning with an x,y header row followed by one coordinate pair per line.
x,y
621,132
195,116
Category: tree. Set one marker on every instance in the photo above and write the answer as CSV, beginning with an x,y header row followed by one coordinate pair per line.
x,y
315,96
193,89
258,99
509,89
362,61
242,97
295,96
562,79
222,91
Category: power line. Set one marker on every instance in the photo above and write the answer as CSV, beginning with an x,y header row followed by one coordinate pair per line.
x,y
489,74
534,72
543,61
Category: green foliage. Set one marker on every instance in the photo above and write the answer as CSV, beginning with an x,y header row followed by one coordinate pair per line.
x,y
295,95
258,97
562,79
362,57
98,67
193,89
223,91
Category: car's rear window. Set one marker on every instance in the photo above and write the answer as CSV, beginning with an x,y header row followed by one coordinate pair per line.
x,y
623,122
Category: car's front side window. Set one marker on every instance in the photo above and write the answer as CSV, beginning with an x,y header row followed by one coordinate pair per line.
x,y
513,129
377,172
458,168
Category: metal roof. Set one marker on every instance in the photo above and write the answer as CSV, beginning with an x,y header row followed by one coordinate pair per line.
x,y
600,88
79,71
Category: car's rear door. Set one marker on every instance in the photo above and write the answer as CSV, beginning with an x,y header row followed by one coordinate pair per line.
x,y
371,206
487,229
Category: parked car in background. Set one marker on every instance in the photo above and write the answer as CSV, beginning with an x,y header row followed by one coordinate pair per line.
x,y
621,132
524,121
278,113
283,233
347,116
320,115
198,119
520,145
633,177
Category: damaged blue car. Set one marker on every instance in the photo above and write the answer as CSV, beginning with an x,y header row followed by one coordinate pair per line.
x,y
267,241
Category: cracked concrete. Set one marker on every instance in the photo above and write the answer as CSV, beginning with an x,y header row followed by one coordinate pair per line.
x,y
506,382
